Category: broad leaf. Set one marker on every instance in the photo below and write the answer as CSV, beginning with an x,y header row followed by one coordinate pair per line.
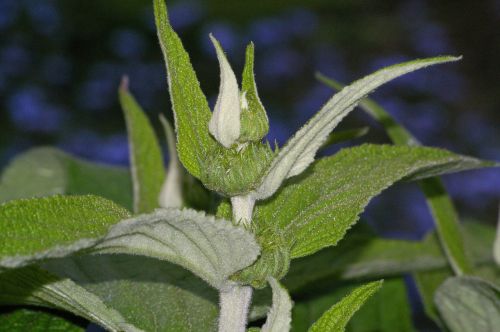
x,y
317,209
146,160
48,171
439,202
154,296
190,106
469,304
23,320
211,248
279,317
300,150
40,228
337,317
34,286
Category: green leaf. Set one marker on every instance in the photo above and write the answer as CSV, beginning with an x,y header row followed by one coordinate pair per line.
x,y
300,150
337,317
254,121
23,320
40,228
340,136
317,209
279,317
34,286
190,106
439,202
48,171
427,283
154,296
469,304
146,159
213,249
171,191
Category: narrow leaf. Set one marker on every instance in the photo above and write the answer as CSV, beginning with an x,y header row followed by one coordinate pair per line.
x,y
146,160
316,211
225,123
190,106
469,305
280,316
211,248
171,191
439,202
337,317
56,226
340,136
300,150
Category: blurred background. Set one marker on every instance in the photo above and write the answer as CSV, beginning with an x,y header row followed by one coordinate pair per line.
x,y
61,63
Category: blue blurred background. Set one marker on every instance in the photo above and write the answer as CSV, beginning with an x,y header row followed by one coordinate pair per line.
x,y
61,62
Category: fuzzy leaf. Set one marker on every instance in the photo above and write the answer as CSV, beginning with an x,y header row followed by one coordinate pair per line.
x,y
254,121
439,202
34,286
47,171
40,228
171,191
146,160
211,248
300,150
469,304
225,122
154,296
190,106
22,320
316,210
280,316
337,317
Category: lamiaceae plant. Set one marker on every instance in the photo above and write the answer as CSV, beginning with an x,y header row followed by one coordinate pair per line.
x,y
236,227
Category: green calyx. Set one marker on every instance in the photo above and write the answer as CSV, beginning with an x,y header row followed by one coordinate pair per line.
x,y
254,121
232,172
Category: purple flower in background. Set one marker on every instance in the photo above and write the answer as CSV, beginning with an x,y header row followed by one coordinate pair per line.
x,y
430,39
9,9
311,102
127,44
98,94
476,189
44,15
15,60
270,31
301,22
225,34
278,64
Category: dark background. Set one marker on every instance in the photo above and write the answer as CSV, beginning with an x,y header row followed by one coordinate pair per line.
x,y
61,62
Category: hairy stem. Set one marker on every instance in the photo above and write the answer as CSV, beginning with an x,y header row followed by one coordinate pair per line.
x,y
234,305
235,302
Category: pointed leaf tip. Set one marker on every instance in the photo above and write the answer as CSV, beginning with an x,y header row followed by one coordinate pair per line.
x,y
124,84
225,123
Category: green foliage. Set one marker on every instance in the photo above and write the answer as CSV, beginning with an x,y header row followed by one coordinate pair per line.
x,y
32,229
337,317
279,317
22,320
254,122
146,159
469,304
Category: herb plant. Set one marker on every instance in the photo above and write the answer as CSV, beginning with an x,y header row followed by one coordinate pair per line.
x,y
236,227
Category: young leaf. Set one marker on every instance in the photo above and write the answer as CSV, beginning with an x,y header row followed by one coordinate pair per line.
x,y
300,150
225,123
171,191
211,248
47,171
146,159
469,304
34,286
56,226
254,121
316,211
337,317
279,318
439,202
22,320
190,106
